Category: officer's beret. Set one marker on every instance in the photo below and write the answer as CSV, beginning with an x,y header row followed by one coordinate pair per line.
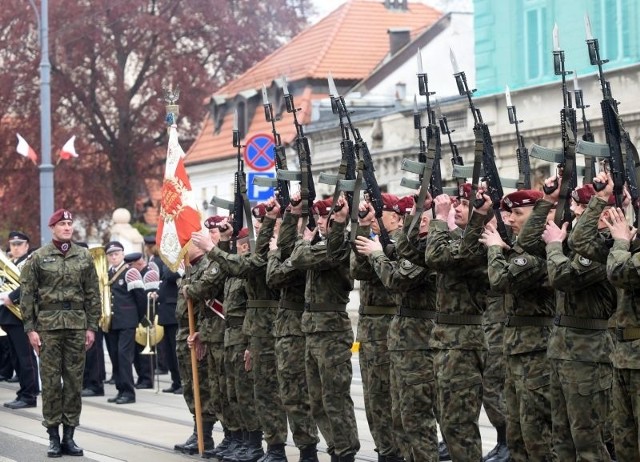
x,y
389,201
583,195
259,211
404,205
131,257
244,232
464,191
18,237
212,222
150,239
522,198
59,215
113,246
323,206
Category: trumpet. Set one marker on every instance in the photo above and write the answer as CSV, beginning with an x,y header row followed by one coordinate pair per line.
x,y
102,268
151,335
9,281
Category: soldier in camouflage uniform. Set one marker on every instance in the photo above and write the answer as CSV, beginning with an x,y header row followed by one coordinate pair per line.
x,y
523,277
61,307
413,390
326,324
458,337
290,340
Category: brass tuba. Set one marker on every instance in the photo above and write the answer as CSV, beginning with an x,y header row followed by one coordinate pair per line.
x,y
151,335
102,268
9,281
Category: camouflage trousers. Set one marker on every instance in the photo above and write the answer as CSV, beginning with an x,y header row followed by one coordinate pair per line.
x,y
413,402
376,386
529,407
626,412
329,374
240,390
207,403
579,409
62,357
266,390
294,391
217,383
493,399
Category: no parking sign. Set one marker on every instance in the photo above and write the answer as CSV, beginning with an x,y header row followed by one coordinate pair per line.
x,y
258,152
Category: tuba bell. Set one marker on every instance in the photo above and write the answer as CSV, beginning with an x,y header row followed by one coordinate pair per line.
x,y
9,281
102,268
150,335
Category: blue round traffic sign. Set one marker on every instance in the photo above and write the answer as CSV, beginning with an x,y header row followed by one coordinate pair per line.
x,y
258,152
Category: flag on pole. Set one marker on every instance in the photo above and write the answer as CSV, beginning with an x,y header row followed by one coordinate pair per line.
x,y
69,150
179,215
25,150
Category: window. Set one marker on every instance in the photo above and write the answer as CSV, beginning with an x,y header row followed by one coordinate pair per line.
x,y
614,29
536,51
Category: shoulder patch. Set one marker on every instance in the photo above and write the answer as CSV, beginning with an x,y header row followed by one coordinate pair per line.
x,y
215,268
520,261
288,263
584,261
406,264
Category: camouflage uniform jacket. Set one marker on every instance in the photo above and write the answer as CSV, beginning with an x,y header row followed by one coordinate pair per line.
x,y
50,279
461,284
210,286
262,300
530,237
373,295
328,282
282,275
524,277
197,294
235,308
415,288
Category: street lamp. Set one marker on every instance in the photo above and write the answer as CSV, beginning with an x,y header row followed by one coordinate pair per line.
x,y
46,167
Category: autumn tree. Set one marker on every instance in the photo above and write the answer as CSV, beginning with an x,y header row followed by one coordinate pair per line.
x,y
109,62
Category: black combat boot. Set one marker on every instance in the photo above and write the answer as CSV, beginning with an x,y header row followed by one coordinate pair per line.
x,y
224,444
443,451
394,458
500,453
54,442
611,449
236,441
207,430
253,451
348,458
194,437
382,458
69,446
308,454
275,453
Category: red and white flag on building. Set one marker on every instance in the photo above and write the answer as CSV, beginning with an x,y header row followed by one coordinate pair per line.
x,y
25,150
69,150
179,215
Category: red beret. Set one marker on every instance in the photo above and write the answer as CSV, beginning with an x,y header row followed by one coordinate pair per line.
x,y
389,201
259,211
404,205
59,215
212,222
322,207
522,198
583,195
464,191
244,232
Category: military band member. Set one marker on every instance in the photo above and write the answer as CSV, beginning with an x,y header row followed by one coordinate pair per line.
x,y
27,366
61,307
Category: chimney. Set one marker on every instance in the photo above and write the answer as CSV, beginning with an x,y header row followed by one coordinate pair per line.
x,y
396,5
398,38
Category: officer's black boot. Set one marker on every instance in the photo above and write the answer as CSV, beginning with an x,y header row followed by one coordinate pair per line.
x,y
192,448
54,442
275,453
501,452
253,451
69,446
224,444
193,438
443,451
308,454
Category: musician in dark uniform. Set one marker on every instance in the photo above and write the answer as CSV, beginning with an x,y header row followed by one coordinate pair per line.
x,y
27,366
128,305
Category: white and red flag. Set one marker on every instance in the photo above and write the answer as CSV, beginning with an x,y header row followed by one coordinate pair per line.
x,y
179,215
25,150
68,150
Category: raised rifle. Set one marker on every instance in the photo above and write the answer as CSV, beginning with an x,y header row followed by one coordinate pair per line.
x,y
589,161
457,163
522,153
484,153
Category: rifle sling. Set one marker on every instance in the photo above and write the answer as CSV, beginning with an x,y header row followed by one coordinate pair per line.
x,y
342,174
567,175
426,179
477,163
304,183
356,200
247,212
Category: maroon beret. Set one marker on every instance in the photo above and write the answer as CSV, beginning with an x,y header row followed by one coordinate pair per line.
x,y
244,232
213,221
389,201
59,215
404,205
259,211
584,193
322,207
522,198
464,191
